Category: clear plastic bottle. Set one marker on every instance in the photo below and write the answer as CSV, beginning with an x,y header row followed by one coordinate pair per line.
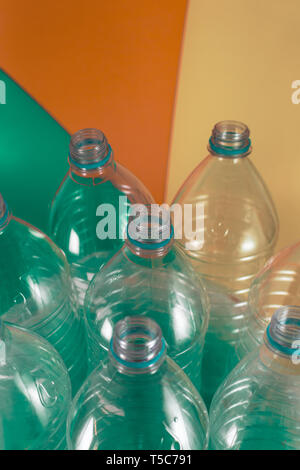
x,y
93,192
137,399
35,392
258,405
239,225
36,291
276,285
150,276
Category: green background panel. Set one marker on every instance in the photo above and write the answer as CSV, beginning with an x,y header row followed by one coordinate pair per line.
x,y
33,154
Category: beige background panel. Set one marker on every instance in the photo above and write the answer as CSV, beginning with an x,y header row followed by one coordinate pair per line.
x,y
238,62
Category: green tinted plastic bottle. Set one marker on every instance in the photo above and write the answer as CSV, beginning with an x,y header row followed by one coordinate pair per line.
x,y
88,215
152,277
138,398
36,291
35,392
258,406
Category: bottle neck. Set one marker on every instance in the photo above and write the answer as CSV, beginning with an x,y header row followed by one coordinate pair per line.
x,y
137,346
230,139
90,153
281,348
92,177
147,253
150,236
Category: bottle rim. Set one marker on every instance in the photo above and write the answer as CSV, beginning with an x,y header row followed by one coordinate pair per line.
x,y
137,344
149,232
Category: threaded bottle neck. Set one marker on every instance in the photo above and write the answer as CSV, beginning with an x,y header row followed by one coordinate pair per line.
x,y
283,333
230,139
137,346
150,233
89,150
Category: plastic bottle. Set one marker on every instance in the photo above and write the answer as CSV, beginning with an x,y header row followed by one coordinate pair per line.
x,y
150,276
276,285
89,212
35,392
258,405
137,399
236,234
36,291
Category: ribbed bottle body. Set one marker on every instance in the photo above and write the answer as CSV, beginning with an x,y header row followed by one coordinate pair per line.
x,y
256,409
276,285
166,290
233,229
35,392
37,294
150,412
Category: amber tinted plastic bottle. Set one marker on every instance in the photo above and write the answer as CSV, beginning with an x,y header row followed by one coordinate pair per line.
x,y
237,231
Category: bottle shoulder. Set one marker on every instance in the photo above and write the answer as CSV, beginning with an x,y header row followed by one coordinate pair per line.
x,y
116,399
172,298
254,388
233,209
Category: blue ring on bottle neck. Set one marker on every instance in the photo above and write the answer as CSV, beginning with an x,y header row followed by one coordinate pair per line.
x,y
229,151
151,246
139,365
94,165
284,349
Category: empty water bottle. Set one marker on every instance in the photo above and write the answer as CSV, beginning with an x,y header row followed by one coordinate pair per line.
x,y
258,405
88,216
276,285
35,392
36,291
150,276
236,229
137,399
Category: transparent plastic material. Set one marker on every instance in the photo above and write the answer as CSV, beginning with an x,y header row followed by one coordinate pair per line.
x,y
137,399
35,392
153,278
36,291
258,405
95,189
237,231
276,285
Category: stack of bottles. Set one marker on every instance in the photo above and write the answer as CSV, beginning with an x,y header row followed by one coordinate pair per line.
x,y
163,342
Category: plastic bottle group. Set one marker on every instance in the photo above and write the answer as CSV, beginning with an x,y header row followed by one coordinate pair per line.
x,y
147,327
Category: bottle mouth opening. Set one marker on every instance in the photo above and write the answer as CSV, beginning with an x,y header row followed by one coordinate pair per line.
x,y
137,343
150,231
230,139
283,332
89,149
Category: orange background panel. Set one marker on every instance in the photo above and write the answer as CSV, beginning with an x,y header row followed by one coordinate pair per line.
x,y
107,64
